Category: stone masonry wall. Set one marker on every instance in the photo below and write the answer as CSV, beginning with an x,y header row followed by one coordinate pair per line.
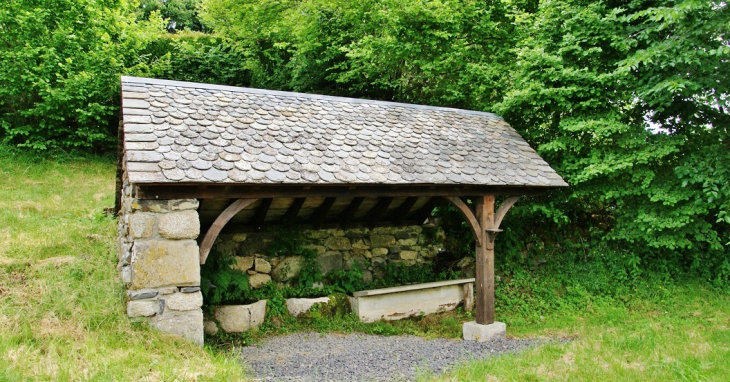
x,y
160,264
336,249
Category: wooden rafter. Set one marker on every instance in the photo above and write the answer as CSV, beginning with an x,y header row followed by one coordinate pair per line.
x,y
378,210
261,211
423,213
291,214
321,212
349,213
402,211
219,223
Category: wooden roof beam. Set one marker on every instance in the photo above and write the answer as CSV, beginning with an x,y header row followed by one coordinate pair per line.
x,y
378,210
261,211
321,213
349,213
402,211
291,214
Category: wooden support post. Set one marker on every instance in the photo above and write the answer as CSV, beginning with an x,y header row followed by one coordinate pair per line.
x,y
485,261
219,223
485,226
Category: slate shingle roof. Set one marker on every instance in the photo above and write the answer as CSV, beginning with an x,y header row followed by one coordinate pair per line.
x,y
179,132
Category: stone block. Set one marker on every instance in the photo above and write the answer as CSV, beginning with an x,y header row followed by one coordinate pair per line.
x,y
262,266
357,233
383,231
360,260
183,204
428,254
227,248
408,242
379,252
243,263
184,301
149,205
127,274
210,327
240,318
188,325
144,308
297,306
378,261
160,263
408,255
359,244
337,243
142,225
258,280
239,237
288,268
330,261
319,249
484,333
142,294
382,240
320,233
179,225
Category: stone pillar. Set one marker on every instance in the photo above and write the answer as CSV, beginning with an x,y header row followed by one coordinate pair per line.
x,y
160,264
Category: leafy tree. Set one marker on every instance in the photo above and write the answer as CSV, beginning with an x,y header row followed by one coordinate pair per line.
x,y
179,14
628,104
59,82
451,53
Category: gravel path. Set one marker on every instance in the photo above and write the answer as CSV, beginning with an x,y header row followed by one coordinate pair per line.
x,y
362,357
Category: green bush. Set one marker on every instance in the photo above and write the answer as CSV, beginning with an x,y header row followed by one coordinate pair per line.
x,y
59,81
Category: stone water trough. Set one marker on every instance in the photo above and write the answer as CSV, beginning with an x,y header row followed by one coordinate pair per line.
x,y
405,301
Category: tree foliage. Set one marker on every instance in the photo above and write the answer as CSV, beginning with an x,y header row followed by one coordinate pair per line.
x,y
59,81
626,99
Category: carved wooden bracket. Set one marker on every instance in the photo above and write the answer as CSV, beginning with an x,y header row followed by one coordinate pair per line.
x,y
490,226
207,244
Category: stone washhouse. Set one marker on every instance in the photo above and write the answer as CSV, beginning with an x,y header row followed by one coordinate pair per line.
x,y
204,167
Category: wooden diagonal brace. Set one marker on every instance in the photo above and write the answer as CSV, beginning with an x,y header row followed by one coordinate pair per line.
x,y
207,244
471,219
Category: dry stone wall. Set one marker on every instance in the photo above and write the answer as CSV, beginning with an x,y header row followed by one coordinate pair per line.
x,y
159,261
336,249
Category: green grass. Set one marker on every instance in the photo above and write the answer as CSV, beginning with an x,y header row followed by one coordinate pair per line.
x,y
682,336
62,306
61,299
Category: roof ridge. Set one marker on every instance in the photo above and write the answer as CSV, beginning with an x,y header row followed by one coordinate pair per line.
x,y
239,89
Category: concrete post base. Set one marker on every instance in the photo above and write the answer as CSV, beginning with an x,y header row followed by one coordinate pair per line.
x,y
484,333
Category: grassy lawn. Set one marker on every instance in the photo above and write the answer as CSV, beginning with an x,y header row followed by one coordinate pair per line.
x,y
62,306
684,336
61,299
